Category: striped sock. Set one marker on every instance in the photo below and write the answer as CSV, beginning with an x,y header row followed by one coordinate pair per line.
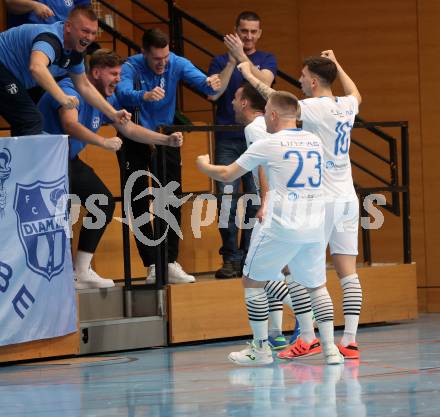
x,y
258,314
303,309
322,306
279,291
352,303
275,316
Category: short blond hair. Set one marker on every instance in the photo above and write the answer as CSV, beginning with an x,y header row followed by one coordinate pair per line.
x,y
285,103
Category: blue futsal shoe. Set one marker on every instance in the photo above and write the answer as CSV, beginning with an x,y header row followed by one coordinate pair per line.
x,y
277,342
296,332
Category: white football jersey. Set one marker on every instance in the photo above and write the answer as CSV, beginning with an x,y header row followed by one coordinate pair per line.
x,y
253,132
292,160
332,121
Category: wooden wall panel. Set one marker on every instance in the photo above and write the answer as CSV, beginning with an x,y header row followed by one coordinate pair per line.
x,y
57,346
215,309
429,61
433,299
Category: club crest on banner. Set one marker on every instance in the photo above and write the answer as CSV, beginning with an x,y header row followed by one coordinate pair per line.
x,y
41,217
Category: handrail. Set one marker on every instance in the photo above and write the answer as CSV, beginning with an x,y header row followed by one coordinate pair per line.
x,y
370,151
151,11
119,36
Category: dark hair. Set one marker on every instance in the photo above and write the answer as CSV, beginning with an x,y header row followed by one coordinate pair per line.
x,y
285,102
323,67
85,10
247,15
154,38
255,99
105,58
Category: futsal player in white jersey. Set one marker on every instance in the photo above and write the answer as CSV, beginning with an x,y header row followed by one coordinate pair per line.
x,y
331,118
248,106
292,232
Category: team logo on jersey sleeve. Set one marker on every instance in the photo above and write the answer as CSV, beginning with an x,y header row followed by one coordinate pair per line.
x,y
40,224
95,122
12,89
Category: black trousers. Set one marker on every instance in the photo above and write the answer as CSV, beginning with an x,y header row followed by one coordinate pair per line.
x,y
17,107
84,182
139,157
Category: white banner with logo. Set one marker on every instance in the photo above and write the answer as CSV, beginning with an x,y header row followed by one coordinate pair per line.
x,y
37,295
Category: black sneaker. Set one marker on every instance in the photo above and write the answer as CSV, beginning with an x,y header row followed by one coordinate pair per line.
x,y
230,269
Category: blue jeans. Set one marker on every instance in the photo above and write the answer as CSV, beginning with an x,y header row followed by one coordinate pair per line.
x,y
226,152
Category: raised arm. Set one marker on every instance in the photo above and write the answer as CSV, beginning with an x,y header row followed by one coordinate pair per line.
x,y
235,47
260,86
348,85
95,99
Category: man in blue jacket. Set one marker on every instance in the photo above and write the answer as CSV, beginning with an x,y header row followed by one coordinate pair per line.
x,y
156,73
82,124
31,54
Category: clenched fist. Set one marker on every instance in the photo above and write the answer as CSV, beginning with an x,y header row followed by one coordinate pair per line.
x,y
245,68
156,94
175,139
70,102
203,160
214,82
112,144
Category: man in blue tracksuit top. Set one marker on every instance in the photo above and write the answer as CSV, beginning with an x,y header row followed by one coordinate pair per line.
x,y
230,145
82,124
31,54
149,81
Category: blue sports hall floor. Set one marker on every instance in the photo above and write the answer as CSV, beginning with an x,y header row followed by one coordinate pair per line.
x,y
398,375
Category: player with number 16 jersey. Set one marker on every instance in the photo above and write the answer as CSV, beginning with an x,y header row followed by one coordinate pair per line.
x,y
332,119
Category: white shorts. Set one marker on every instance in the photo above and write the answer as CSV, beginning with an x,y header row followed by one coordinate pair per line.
x,y
341,227
266,257
255,232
